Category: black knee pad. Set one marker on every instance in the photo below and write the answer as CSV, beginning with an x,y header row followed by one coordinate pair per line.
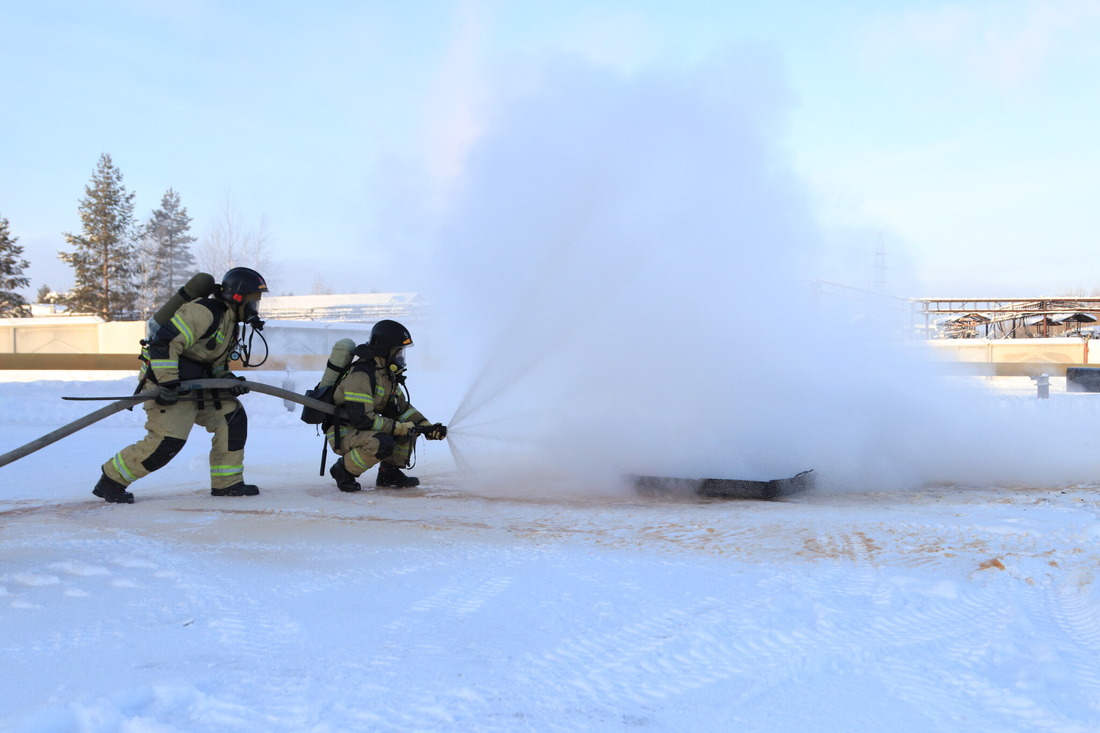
x,y
386,444
164,452
238,428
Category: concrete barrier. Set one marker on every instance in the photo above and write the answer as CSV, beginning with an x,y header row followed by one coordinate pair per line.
x,y
74,335
72,362
1063,350
72,344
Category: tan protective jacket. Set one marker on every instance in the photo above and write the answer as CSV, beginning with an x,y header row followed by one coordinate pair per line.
x,y
193,336
379,407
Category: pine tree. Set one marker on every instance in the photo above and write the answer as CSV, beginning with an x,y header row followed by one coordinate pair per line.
x,y
103,260
164,255
12,304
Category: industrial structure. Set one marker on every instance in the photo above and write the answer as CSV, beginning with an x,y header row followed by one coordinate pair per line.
x,y
1007,318
356,307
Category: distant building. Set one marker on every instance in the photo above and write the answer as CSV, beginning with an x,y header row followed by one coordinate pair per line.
x,y
1006,318
357,307
49,309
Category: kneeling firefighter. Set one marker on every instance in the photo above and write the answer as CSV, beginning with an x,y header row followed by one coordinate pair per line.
x,y
380,426
197,342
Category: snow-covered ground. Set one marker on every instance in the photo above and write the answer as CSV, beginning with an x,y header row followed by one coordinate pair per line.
x,y
942,608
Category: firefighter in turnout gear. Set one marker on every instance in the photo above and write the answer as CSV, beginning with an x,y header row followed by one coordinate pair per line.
x,y
196,343
380,426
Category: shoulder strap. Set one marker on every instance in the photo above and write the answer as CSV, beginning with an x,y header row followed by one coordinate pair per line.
x,y
217,310
334,421
360,365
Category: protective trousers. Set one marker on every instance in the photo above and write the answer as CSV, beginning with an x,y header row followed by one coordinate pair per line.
x,y
167,428
362,449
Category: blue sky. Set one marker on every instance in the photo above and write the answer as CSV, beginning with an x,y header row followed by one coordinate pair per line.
x,y
961,136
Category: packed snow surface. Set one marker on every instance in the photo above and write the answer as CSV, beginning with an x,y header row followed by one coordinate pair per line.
x,y
456,608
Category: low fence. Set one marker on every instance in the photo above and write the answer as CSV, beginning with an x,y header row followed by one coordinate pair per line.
x,y
70,362
75,335
298,345
1014,357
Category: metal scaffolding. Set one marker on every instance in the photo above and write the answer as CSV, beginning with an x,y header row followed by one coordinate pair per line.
x,y
1006,317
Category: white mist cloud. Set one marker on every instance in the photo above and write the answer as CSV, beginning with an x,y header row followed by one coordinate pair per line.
x,y
625,274
619,252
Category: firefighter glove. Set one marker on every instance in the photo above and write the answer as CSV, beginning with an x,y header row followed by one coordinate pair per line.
x,y
403,428
169,394
435,432
236,391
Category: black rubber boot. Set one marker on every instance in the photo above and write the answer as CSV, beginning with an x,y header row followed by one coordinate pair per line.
x,y
112,492
390,477
238,489
345,480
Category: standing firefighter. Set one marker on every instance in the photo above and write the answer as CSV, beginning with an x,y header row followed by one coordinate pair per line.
x,y
380,426
195,344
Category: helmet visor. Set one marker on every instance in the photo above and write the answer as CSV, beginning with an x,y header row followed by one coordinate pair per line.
x,y
250,310
397,356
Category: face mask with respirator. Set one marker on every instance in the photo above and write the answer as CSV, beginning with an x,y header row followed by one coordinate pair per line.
x,y
397,361
250,315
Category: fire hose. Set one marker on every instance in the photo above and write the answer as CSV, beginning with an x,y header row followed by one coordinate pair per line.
x,y
123,403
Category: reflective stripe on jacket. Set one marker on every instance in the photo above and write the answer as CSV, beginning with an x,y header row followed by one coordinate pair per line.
x,y
183,337
379,407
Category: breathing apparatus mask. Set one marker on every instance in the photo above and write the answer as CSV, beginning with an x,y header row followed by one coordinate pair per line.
x,y
397,360
250,313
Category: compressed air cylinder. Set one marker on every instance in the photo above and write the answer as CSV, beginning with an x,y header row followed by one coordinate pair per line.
x,y
199,286
338,359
